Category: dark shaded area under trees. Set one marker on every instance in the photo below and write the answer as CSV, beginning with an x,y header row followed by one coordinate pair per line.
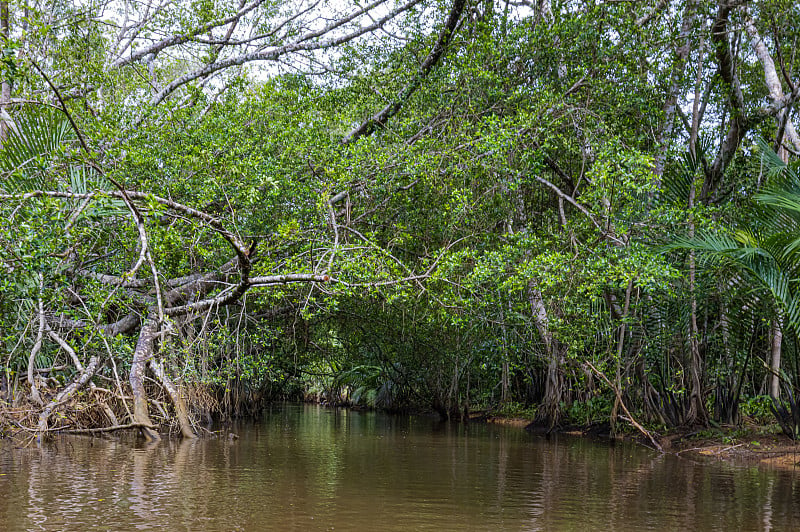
x,y
586,211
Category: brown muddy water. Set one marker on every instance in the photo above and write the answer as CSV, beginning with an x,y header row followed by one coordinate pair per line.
x,y
306,467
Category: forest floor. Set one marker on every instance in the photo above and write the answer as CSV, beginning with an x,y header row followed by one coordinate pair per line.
x,y
747,445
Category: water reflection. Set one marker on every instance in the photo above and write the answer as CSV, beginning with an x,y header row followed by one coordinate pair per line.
x,y
309,468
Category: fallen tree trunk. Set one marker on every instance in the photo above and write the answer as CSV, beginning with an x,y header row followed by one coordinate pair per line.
x,y
100,430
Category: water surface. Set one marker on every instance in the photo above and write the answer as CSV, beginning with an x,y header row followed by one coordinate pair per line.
x,y
310,468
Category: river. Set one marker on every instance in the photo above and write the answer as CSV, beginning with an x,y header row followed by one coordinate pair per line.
x,y
305,467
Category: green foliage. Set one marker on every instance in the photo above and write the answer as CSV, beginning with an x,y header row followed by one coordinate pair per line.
x,y
758,408
593,410
502,230
766,249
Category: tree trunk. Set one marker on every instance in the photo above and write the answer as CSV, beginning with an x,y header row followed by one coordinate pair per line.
x,y
775,361
618,361
141,355
550,409
37,346
5,84
697,413
671,104
505,394
774,86
177,399
738,124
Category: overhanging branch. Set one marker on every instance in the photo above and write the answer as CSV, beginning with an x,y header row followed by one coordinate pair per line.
x,y
380,118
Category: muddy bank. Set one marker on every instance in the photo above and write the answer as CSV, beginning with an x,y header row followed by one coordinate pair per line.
x,y
749,447
763,446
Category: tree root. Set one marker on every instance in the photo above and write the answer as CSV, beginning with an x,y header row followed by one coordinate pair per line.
x,y
177,399
98,430
102,406
628,417
94,430
76,385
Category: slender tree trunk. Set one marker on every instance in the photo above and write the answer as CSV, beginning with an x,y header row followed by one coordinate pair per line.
x,y
775,359
5,85
505,395
37,346
697,411
618,365
671,104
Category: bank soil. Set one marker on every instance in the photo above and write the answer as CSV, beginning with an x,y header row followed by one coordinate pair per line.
x,y
749,446
741,447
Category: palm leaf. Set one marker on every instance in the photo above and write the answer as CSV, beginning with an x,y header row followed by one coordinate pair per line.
x,y
768,249
34,136
773,164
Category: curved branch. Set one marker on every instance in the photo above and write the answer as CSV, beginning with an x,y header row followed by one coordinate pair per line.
x,y
124,325
242,287
380,118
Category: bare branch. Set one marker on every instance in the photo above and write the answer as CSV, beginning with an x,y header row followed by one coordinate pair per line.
x,y
305,42
239,289
175,40
66,347
580,207
67,392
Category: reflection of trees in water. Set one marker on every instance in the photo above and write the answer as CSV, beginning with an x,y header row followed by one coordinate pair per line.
x,y
60,479
349,469
612,487
114,484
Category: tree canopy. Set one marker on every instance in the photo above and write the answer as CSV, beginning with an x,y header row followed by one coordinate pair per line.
x,y
454,206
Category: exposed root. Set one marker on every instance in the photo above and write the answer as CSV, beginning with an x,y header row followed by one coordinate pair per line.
x,y
628,416
64,394
177,399
99,430
83,408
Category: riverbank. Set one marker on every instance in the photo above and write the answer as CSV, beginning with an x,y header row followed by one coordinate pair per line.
x,y
750,445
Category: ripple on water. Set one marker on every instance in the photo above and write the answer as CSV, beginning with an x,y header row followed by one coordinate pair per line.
x,y
307,468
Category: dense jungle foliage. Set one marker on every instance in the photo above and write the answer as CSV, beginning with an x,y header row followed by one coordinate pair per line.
x,y
584,210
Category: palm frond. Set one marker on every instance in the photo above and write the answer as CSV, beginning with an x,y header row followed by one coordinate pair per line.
x,y
34,136
773,164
